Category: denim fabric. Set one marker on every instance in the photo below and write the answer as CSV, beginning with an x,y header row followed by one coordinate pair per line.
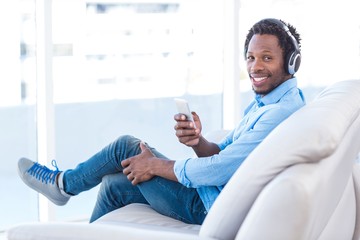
x,y
165,196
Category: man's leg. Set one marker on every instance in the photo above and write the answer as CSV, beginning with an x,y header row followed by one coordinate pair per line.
x,y
174,200
166,197
108,161
59,186
115,191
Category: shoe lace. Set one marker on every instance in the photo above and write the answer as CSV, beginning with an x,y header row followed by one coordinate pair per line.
x,y
43,173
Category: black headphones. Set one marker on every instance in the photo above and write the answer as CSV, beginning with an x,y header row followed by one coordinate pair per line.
x,y
293,59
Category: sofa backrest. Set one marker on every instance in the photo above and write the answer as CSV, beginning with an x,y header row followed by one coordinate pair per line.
x,y
309,200
307,137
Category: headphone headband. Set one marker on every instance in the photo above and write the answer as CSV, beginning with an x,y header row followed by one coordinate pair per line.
x,y
285,28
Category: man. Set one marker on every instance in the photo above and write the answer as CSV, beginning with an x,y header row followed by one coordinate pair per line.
x,y
132,172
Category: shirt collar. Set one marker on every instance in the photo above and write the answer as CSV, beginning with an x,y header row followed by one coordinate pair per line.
x,y
276,94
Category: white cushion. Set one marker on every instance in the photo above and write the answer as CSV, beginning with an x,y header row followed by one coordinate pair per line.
x,y
132,222
85,231
309,135
143,215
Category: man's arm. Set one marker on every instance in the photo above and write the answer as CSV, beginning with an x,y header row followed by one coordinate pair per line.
x,y
146,165
216,170
205,148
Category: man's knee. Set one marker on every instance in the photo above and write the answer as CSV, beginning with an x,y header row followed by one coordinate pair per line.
x,y
127,145
127,139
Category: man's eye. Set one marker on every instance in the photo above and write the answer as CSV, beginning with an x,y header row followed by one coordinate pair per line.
x,y
249,57
267,58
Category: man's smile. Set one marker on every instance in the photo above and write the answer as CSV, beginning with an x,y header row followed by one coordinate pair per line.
x,y
258,79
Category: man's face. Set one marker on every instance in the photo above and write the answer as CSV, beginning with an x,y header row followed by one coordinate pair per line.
x,y
265,63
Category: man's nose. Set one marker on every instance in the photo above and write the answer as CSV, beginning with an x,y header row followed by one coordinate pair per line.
x,y
256,66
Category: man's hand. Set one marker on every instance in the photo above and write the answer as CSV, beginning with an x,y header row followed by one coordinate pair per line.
x,y
138,168
192,137
185,130
146,165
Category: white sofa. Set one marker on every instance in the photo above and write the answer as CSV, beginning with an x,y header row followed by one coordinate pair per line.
x,y
301,182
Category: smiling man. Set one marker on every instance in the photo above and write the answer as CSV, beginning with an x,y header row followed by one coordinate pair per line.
x,y
130,171
267,65
264,64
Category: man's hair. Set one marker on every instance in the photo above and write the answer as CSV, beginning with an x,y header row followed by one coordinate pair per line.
x,y
268,27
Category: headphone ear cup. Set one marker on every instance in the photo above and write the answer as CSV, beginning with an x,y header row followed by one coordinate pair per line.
x,y
294,62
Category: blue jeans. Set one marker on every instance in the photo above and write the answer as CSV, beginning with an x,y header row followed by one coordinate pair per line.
x,y
167,197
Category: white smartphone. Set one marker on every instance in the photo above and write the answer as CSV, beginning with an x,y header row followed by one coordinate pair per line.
x,y
183,108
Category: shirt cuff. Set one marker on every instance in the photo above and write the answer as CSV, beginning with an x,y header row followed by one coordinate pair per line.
x,y
180,173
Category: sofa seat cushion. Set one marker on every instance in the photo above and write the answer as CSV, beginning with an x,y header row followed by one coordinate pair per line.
x,y
132,222
86,231
146,217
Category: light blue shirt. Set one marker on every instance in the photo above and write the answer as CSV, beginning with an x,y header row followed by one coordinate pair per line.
x,y
210,174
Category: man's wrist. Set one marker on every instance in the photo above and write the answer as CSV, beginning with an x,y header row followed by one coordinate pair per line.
x,y
163,168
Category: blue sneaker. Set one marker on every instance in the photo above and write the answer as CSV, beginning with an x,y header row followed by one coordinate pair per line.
x,y
42,180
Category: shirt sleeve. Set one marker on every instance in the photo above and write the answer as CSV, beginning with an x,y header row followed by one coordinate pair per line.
x,y
227,140
216,170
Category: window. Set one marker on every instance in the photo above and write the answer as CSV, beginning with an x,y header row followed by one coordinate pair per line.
x,y
117,67
17,113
